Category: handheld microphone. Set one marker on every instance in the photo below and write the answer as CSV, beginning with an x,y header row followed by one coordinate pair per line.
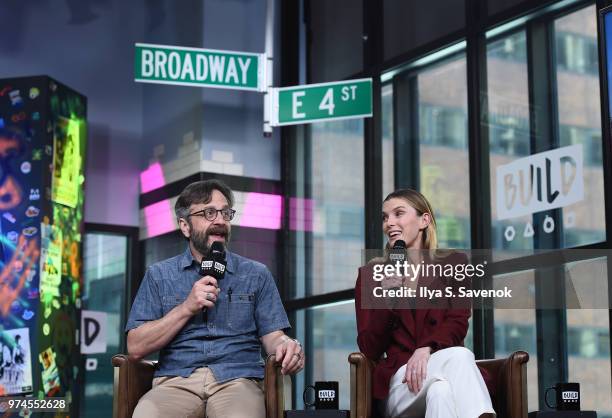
x,y
398,252
213,265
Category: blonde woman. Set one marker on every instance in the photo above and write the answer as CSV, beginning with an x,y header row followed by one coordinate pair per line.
x,y
422,368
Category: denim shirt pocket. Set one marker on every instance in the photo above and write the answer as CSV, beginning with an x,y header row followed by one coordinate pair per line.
x,y
241,312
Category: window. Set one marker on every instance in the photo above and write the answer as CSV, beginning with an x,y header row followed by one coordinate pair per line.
x,y
432,146
330,336
387,140
588,333
580,121
105,284
515,329
506,117
330,236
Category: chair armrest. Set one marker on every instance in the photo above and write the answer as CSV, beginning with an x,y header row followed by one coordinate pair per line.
x,y
132,379
510,378
277,389
361,385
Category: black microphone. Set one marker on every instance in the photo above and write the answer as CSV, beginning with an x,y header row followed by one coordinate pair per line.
x,y
213,265
398,252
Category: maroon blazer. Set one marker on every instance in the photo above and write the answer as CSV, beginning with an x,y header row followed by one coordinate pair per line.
x,y
399,332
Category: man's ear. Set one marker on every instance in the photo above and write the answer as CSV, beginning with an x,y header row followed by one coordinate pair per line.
x,y
185,229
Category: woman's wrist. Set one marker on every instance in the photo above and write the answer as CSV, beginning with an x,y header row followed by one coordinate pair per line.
x,y
427,348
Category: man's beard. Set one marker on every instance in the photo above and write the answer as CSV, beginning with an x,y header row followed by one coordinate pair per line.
x,y
199,239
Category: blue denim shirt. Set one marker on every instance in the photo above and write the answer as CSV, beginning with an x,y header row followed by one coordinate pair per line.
x,y
248,307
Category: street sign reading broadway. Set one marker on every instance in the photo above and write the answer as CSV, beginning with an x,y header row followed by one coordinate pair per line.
x,y
164,64
316,102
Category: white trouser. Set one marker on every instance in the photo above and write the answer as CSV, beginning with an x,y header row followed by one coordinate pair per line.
x,y
453,388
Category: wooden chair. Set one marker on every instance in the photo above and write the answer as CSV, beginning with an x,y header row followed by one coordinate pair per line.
x,y
133,379
510,376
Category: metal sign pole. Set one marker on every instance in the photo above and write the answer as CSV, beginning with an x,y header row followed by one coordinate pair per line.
x,y
269,67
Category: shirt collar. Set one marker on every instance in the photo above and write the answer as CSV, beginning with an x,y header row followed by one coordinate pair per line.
x,y
187,260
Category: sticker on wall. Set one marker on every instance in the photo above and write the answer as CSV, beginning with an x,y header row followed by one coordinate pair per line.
x,y
51,262
30,231
16,366
18,117
36,116
16,100
91,364
34,92
93,332
66,162
34,194
539,182
12,236
32,212
26,167
9,217
27,315
50,377
36,154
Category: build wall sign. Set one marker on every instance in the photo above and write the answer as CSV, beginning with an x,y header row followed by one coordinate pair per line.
x,y
547,180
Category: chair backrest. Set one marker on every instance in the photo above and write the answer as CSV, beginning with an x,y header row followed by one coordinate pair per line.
x,y
510,377
275,382
131,380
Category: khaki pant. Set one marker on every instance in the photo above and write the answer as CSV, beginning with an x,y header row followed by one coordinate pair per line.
x,y
200,395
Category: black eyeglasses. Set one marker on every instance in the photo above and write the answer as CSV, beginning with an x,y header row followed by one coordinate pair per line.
x,y
211,213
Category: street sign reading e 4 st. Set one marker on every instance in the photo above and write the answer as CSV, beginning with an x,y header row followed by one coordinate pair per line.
x,y
163,64
326,101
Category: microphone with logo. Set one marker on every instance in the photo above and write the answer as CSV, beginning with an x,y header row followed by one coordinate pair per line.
x,y
397,254
213,265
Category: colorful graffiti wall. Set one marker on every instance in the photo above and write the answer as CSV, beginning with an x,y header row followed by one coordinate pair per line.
x,y
42,149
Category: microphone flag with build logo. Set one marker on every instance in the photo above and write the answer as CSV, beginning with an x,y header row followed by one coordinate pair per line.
x,y
214,265
398,252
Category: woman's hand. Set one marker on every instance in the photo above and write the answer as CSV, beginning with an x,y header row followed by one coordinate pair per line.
x,y
416,369
392,282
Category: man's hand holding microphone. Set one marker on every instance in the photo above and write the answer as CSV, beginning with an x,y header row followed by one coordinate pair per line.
x,y
205,291
203,295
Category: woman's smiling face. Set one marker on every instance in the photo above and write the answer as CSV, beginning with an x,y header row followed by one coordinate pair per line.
x,y
402,222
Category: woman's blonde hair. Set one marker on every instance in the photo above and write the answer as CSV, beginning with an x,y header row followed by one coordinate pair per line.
x,y
421,205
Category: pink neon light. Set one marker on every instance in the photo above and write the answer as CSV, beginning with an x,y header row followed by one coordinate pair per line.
x,y
159,218
152,178
262,211
300,220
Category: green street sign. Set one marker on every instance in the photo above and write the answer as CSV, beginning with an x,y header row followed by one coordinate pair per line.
x,y
326,101
163,64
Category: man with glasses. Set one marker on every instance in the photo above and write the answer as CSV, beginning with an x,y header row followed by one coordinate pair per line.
x,y
210,364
